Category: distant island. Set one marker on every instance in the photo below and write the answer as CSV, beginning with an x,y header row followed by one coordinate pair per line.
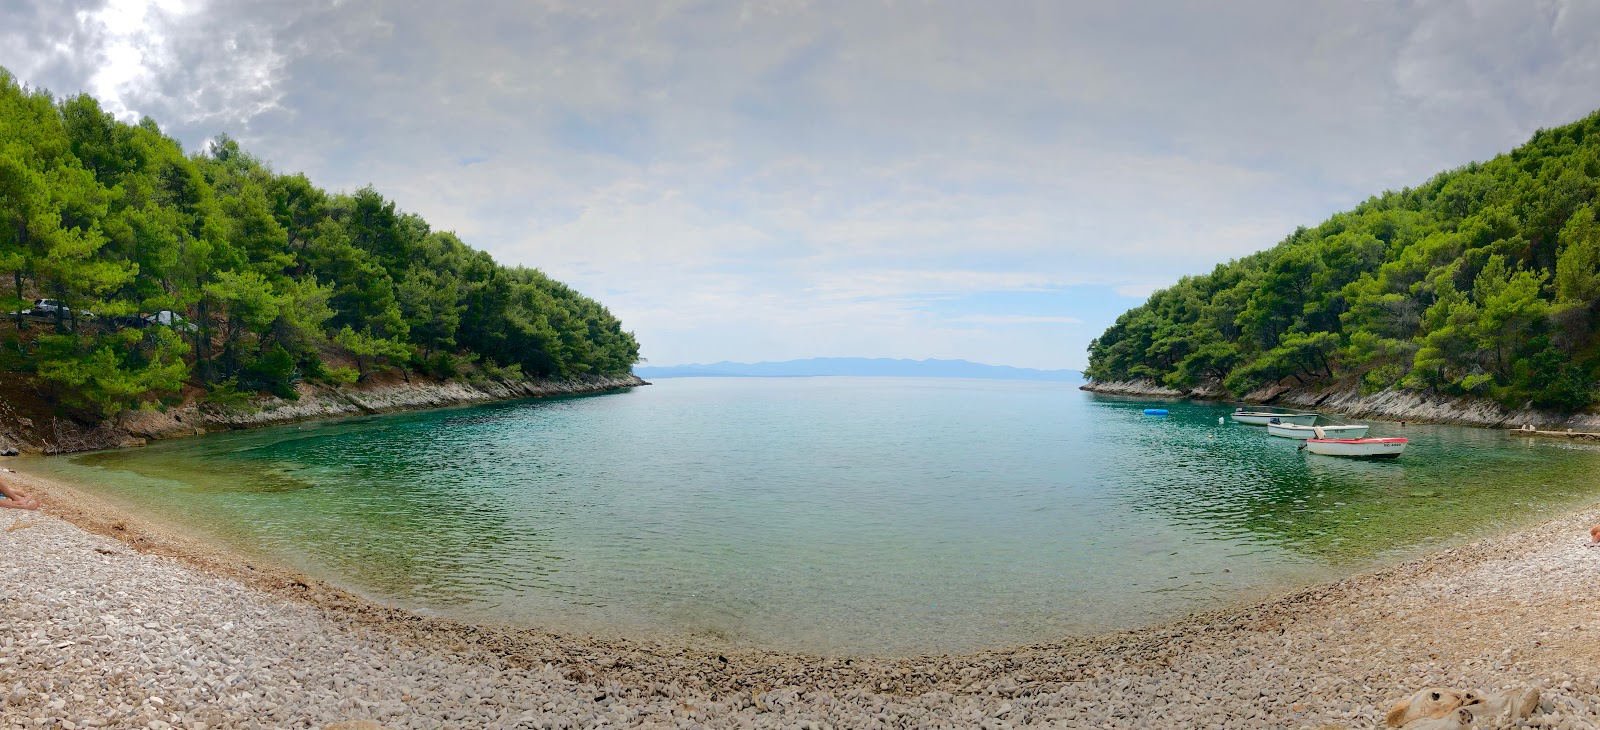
x,y
859,366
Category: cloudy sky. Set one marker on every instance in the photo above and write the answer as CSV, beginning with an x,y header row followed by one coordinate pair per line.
x,y
767,180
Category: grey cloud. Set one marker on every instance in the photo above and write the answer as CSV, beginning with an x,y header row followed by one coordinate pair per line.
x,y
757,149
189,70
1502,65
43,42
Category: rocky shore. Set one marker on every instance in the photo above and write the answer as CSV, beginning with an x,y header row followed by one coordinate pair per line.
x,y
114,622
1392,404
30,435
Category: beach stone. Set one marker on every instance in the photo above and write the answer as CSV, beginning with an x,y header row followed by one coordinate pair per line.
x,y
132,640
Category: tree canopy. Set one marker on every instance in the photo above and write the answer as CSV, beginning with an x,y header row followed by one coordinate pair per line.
x,y
274,280
1484,281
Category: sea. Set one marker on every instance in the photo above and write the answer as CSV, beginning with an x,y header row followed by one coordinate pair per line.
x,y
832,515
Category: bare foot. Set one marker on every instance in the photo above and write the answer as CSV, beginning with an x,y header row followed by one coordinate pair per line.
x,y
15,499
23,503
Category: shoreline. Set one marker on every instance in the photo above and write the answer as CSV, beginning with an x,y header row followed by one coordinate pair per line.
x,y
1392,404
1431,597
138,427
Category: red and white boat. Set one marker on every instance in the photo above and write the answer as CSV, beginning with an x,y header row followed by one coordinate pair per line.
x,y
1386,448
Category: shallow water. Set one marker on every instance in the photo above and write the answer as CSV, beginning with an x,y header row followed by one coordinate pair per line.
x,y
834,515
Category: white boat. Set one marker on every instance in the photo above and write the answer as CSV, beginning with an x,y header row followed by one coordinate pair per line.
x,y
1262,418
1294,431
1386,448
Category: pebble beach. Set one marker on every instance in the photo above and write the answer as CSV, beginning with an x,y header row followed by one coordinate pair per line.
x,y
109,621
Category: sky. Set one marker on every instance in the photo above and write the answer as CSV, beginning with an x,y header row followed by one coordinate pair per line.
x,y
993,181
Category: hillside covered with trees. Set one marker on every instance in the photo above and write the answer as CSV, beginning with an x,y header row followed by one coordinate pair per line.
x,y
271,280
1483,281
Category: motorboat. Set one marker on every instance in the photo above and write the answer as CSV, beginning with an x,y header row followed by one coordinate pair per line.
x,y
1384,448
1295,431
1262,418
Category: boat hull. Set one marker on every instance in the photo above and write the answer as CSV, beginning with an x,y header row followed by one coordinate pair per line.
x,y
1388,448
1293,431
1257,418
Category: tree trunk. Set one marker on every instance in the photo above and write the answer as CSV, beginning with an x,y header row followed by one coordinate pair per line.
x,y
202,350
18,276
61,314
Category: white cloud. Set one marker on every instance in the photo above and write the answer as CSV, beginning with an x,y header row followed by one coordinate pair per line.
x,y
170,58
767,180
1014,319
1138,291
885,284
133,49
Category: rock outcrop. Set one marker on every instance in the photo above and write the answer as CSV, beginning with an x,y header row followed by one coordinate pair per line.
x,y
1392,404
133,428
392,397
1204,391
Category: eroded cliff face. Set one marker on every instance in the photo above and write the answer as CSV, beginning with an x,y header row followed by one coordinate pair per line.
x,y
53,435
1393,404
27,430
1205,391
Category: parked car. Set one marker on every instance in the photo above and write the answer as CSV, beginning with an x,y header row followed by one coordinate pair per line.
x,y
47,309
165,318
169,318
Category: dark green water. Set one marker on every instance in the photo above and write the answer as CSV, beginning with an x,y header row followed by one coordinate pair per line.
x,y
831,514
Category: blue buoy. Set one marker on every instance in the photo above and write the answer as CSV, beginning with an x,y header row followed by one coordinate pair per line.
x,y
1155,411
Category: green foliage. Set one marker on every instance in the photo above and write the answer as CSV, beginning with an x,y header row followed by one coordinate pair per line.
x,y
311,367
489,371
369,349
226,393
343,376
442,365
274,371
269,274
1381,378
1578,264
1483,281
106,374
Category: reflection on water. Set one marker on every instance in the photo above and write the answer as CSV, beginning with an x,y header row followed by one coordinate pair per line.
x,y
1450,483
831,514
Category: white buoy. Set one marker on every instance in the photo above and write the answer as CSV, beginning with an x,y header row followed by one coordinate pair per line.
x,y
1221,421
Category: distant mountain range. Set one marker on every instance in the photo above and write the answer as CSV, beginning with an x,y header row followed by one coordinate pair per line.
x,y
859,366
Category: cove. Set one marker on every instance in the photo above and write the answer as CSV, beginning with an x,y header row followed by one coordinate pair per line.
x,y
829,515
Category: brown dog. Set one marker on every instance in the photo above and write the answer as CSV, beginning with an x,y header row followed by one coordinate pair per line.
x,y
1437,708
1433,703
1460,718
1503,708
1594,535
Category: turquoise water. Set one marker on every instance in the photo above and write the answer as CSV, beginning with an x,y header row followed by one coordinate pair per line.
x,y
837,515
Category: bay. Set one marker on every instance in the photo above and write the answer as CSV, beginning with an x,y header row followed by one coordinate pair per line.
x,y
830,515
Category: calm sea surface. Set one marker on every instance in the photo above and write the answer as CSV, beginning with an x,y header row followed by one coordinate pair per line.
x,y
835,515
